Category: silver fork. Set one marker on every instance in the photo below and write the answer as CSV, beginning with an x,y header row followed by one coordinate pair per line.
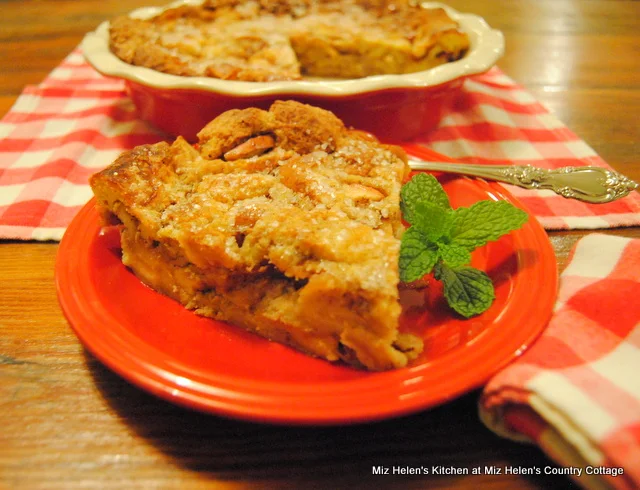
x,y
589,184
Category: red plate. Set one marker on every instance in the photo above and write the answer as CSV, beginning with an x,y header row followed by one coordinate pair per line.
x,y
203,364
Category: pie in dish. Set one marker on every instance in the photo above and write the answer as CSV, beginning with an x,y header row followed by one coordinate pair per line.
x,y
283,222
263,40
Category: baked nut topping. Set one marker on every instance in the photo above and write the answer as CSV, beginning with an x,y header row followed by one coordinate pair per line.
x,y
284,40
283,222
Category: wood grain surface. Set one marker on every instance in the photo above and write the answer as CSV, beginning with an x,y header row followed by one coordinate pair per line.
x,y
67,422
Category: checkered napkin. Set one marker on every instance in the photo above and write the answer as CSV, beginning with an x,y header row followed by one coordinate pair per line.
x,y
76,122
576,391
55,136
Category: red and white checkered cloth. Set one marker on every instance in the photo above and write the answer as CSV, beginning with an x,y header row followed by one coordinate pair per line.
x,y
576,391
76,122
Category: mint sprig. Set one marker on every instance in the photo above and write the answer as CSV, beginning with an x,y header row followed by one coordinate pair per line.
x,y
441,239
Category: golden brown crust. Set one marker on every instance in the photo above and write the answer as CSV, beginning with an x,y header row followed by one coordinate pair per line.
x,y
281,40
295,237
181,42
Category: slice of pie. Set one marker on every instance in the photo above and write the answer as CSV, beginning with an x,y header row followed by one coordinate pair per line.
x,y
283,222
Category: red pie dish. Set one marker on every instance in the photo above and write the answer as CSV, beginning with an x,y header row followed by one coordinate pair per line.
x,y
206,365
393,107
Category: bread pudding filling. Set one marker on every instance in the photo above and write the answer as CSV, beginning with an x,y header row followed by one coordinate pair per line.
x,y
284,40
282,222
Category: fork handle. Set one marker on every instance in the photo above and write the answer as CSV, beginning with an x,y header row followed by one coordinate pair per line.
x,y
589,184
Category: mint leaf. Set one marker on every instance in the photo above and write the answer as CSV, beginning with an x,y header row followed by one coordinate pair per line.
x,y
421,188
433,221
417,255
468,291
454,255
442,239
485,221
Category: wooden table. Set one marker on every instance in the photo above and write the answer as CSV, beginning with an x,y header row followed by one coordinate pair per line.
x,y
67,422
